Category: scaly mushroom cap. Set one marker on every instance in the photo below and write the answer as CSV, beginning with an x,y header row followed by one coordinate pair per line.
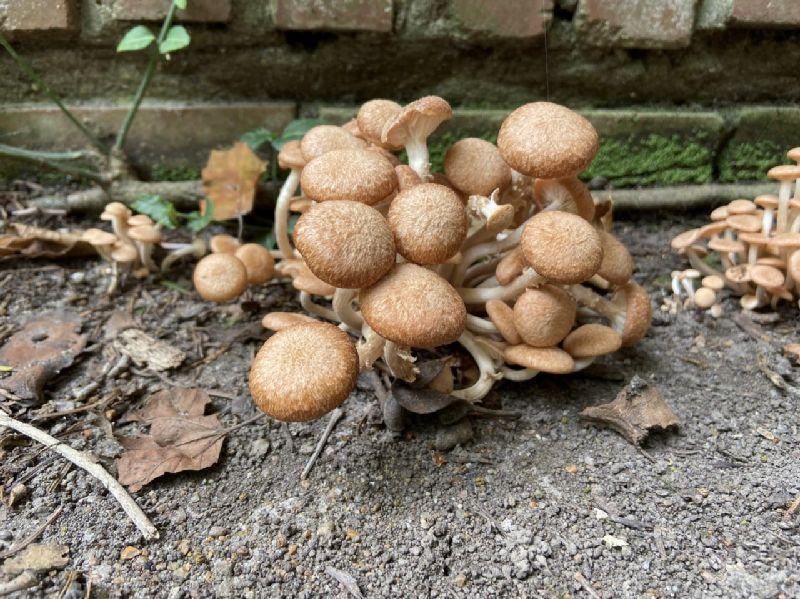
x,y
739,273
372,118
258,262
567,194
346,244
324,138
385,154
406,177
416,121
543,316
542,139
223,244
784,172
794,266
544,359
684,240
351,127
277,321
638,312
561,247
475,167
291,156
219,277
357,175
591,340
766,276
304,372
415,307
429,223
502,315
741,206
617,264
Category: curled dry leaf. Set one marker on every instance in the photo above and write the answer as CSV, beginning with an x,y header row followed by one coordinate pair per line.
x,y
229,180
38,352
38,557
36,242
637,410
181,437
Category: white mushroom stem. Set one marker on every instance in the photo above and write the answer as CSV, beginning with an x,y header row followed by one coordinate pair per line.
x,y
582,363
196,248
676,283
488,373
767,221
784,195
481,295
370,347
598,303
688,286
482,326
145,251
476,252
400,361
417,151
343,307
481,269
489,282
518,374
309,306
285,195
114,283
698,264
120,228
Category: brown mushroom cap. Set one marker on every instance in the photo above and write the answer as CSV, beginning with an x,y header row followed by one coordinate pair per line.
x,y
684,240
219,277
475,167
749,223
258,262
416,120
567,194
139,219
510,266
544,359
617,264
741,206
784,241
739,273
304,372
345,244
719,213
291,156
124,253
406,177
415,307
429,223
712,229
542,139
767,202
561,247
502,315
99,238
638,312
705,297
325,138
590,340
277,321
373,116
145,233
766,276
114,210
784,172
357,175
223,244
726,246
793,154
714,282
543,316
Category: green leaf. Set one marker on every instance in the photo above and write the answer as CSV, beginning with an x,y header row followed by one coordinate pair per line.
x,y
4,368
177,38
137,38
296,130
157,208
198,222
181,4
174,286
258,137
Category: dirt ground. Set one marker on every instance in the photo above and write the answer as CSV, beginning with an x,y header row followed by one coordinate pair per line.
x,y
542,506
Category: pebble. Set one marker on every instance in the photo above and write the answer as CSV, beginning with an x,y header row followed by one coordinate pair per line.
x,y
217,531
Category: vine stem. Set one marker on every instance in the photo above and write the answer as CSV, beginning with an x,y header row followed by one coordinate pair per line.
x,y
145,82
52,160
31,74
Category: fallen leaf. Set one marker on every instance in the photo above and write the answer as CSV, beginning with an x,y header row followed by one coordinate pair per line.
x,y
229,180
129,552
181,437
36,242
571,468
421,401
38,352
38,557
637,410
144,349
612,541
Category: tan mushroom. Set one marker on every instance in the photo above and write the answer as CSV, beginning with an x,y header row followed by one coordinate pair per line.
x,y
502,315
544,359
197,249
258,262
357,175
277,321
118,213
303,372
617,264
290,157
510,266
567,194
145,237
544,316
786,174
122,254
475,167
591,340
325,138
769,203
406,177
219,277
629,309
705,297
372,118
223,244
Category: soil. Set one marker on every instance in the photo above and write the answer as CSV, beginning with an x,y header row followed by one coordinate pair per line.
x,y
541,506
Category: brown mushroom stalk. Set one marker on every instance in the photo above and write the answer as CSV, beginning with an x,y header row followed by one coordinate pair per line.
x,y
288,189
197,249
343,308
307,303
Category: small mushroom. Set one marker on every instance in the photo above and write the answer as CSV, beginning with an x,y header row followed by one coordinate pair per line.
x,y
223,244
544,316
372,118
303,372
123,254
786,174
705,297
325,138
567,194
258,262
769,203
290,157
277,321
475,167
145,237
502,315
591,340
219,277
197,249
629,309
356,175
118,213
617,264
510,266
544,359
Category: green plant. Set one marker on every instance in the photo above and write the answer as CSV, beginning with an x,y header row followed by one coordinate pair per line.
x,y
164,213
261,138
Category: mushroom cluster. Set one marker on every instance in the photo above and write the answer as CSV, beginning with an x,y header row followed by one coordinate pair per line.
x,y
750,247
505,253
231,267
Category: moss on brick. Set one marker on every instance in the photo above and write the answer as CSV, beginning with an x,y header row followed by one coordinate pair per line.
x,y
162,172
750,161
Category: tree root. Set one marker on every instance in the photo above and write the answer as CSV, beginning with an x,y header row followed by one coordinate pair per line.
x,y
183,194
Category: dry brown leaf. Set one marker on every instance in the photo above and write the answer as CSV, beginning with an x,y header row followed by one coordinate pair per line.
x,y
637,410
229,180
39,351
181,438
35,242
38,557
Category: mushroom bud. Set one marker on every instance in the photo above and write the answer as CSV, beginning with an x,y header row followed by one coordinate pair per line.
x,y
258,262
219,277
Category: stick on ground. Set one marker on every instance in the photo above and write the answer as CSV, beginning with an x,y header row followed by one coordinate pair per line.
x,y
85,461
335,417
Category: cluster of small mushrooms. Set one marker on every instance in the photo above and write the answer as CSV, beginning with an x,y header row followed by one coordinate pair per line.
x,y
505,253
753,246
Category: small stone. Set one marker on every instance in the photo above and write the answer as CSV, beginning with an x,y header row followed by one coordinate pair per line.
x,y
460,580
260,447
129,552
217,531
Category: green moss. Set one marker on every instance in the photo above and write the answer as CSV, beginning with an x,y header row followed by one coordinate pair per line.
x,y
160,172
652,160
750,161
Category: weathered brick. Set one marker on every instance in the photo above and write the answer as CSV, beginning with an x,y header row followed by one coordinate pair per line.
x,y
32,16
636,23
209,11
512,18
333,15
765,13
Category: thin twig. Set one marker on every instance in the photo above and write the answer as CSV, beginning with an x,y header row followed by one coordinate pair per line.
x,y
17,547
42,158
586,586
336,415
24,581
86,462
